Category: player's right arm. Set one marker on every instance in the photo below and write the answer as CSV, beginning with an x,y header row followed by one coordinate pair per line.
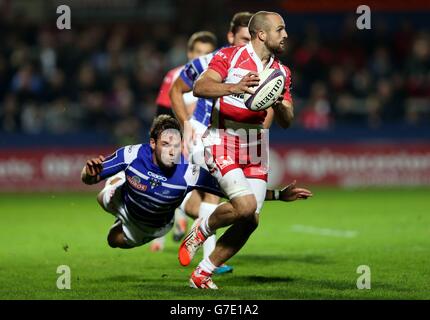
x,y
184,83
210,83
100,168
91,172
176,93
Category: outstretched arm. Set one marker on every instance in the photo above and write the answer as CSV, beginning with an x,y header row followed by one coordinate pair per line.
x,y
289,193
91,172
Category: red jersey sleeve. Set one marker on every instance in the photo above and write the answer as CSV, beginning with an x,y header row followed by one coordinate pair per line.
x,y
287,94
163,98
221,62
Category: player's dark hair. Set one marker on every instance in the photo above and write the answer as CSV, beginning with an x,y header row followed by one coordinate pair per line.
x,y
202,36
240,20
258,22
161,123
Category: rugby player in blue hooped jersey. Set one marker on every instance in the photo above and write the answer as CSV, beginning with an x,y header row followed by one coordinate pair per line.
x,y
146,182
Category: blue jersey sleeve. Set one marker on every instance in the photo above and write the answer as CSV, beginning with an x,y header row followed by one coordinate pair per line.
x,y
192,71
118,161
207,183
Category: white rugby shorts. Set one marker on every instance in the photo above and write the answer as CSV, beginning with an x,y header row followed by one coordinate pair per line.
x,y
136,232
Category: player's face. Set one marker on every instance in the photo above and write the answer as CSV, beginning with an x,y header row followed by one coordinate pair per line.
x,y
167,148
276,40
200,49
241,37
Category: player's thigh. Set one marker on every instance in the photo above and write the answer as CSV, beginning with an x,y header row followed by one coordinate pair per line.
x,y
239,191
210,198
110,198
259,188
138,233
193,204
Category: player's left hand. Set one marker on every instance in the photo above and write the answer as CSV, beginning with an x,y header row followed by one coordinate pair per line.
x,y
292,193
280,99
94,166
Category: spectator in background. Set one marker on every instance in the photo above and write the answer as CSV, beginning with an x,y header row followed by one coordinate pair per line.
x,y
26,83
316,115
10,120
418,66
94,77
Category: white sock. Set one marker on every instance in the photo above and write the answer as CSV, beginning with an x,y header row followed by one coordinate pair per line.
x,y
179,214
207,266
206,209
184,202
158,241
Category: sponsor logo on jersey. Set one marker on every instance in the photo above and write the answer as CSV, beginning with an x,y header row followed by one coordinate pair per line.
x,y
191,72
194,171
156,176
161,194
221,54
238,95
135,182
154,183
238,75
242,62
224,161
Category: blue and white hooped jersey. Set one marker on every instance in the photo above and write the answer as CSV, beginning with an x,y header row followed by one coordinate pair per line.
x,y
151,195
189,74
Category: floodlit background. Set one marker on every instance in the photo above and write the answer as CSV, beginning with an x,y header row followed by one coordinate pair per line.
x,y
360,140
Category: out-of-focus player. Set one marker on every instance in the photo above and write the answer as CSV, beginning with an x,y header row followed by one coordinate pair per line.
x,y
196,123
146,182
228,141
200,43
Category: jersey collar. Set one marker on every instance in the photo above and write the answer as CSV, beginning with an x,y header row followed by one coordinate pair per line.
x,y
257,59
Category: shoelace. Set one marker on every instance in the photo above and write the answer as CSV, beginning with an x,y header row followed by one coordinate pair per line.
x,y
205,279
192,241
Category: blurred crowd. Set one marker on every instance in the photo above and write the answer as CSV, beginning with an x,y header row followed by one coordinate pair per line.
x,y
106,78
368,78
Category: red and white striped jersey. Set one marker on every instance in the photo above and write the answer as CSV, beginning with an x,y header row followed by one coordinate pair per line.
x,y
233,63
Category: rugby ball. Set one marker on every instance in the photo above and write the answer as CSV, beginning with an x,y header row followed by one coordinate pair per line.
x,y
272,82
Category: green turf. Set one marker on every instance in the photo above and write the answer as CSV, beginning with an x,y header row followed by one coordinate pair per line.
x,y
280,261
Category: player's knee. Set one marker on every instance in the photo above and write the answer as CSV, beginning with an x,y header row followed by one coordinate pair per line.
x,y
252,222
246,208
114,239
192,208
100,198
210,198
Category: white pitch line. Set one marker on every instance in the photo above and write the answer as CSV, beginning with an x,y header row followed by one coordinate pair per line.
x,y
324,231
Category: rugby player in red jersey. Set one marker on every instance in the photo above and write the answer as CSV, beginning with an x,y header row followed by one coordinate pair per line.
x,y
199,204
199,44
232,72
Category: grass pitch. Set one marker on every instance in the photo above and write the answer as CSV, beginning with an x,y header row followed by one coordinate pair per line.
x,y
302,250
